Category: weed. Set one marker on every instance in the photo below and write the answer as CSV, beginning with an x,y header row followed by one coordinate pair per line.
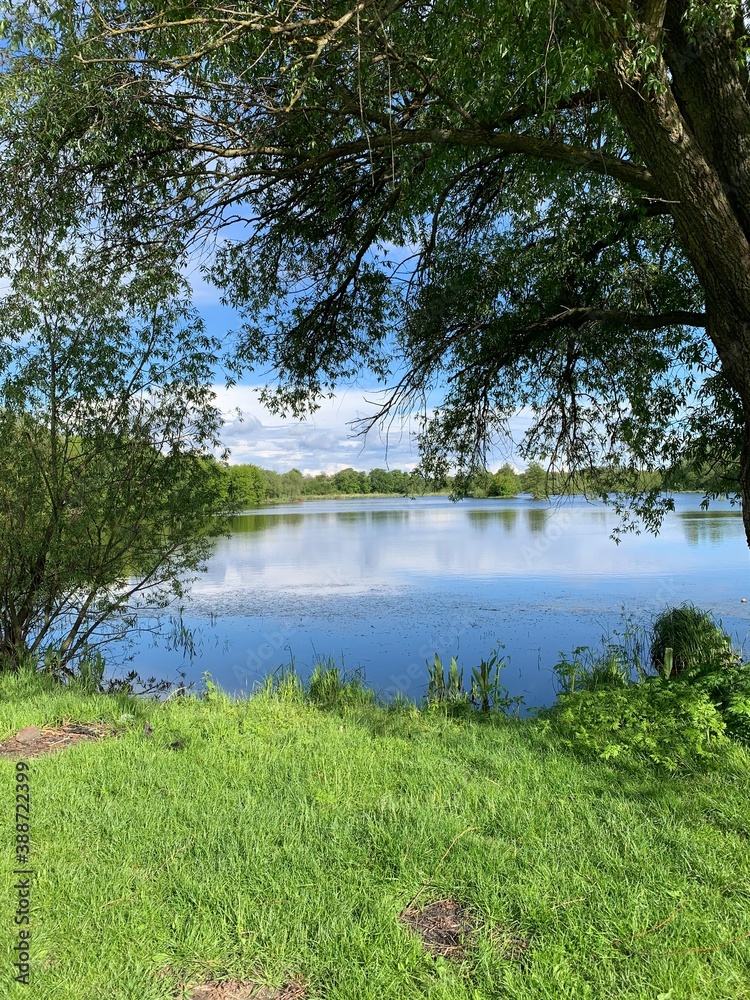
x,y
90,673
442,689
283,684
589,670
694,637
331,687
668,725
487,694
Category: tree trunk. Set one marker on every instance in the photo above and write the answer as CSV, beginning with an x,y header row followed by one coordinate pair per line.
x,y
712,233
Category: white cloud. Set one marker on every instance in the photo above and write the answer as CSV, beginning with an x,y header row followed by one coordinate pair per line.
x,y
326,441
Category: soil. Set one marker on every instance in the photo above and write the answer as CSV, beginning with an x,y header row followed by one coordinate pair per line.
x,y
447,929
33,741
232,990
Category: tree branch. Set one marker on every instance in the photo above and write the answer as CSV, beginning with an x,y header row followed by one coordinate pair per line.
x,y
579,315
507,142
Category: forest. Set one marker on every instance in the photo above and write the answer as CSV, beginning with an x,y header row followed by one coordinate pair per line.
x,y
248,485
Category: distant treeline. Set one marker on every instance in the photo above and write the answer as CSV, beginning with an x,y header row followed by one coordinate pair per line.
x,y
251,486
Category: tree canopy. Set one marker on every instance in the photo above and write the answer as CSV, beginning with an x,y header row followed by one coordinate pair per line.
x,y
492,207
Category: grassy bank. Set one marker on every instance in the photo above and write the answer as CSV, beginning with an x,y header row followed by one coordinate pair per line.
x,y
269,839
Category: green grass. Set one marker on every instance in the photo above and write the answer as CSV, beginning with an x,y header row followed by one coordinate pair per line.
x,y
268,837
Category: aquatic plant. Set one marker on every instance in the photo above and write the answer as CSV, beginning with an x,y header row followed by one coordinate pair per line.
x,y
587,669
693,635
442,688
487,694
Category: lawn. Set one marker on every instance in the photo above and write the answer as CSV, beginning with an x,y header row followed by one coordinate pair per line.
x,y
272,841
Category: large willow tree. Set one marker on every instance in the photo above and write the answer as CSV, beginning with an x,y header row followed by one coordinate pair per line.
x,y
492,206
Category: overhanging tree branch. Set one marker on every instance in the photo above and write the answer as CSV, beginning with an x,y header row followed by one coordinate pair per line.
x,y
577,316
508,142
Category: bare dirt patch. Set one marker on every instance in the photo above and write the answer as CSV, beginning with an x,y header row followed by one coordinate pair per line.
x,y
231,989
33,741
446,927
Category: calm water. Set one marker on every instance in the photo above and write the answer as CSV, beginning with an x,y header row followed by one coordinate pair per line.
x,y
384,584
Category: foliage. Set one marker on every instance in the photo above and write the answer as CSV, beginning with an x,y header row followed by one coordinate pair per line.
x,y
535,481
332,687
695,638
245,486
590,670
505,482
250,486
328,686
497,210
726,682
284,684
609,706
486,694
672,726
443,689
108,499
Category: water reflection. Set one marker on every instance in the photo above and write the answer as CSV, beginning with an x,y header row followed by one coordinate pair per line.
x,y
708,525
250,524
385,584
389,516
481,520
536,518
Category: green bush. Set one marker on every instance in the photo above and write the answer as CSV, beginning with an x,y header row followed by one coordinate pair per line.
x,y
670,725
726,683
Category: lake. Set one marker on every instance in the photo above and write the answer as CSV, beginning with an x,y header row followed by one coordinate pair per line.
x,y
384,584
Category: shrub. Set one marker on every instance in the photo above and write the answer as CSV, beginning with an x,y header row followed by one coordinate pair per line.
x,y
589,670
694,637
670,725
727,685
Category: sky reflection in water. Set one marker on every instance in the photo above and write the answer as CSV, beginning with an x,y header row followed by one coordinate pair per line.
x,y
384,584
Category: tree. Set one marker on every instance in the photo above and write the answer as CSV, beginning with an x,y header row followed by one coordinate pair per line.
x,y
535,481
246,486
570,184
320,485
378,481
350,481
292,484
505,482
109,501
